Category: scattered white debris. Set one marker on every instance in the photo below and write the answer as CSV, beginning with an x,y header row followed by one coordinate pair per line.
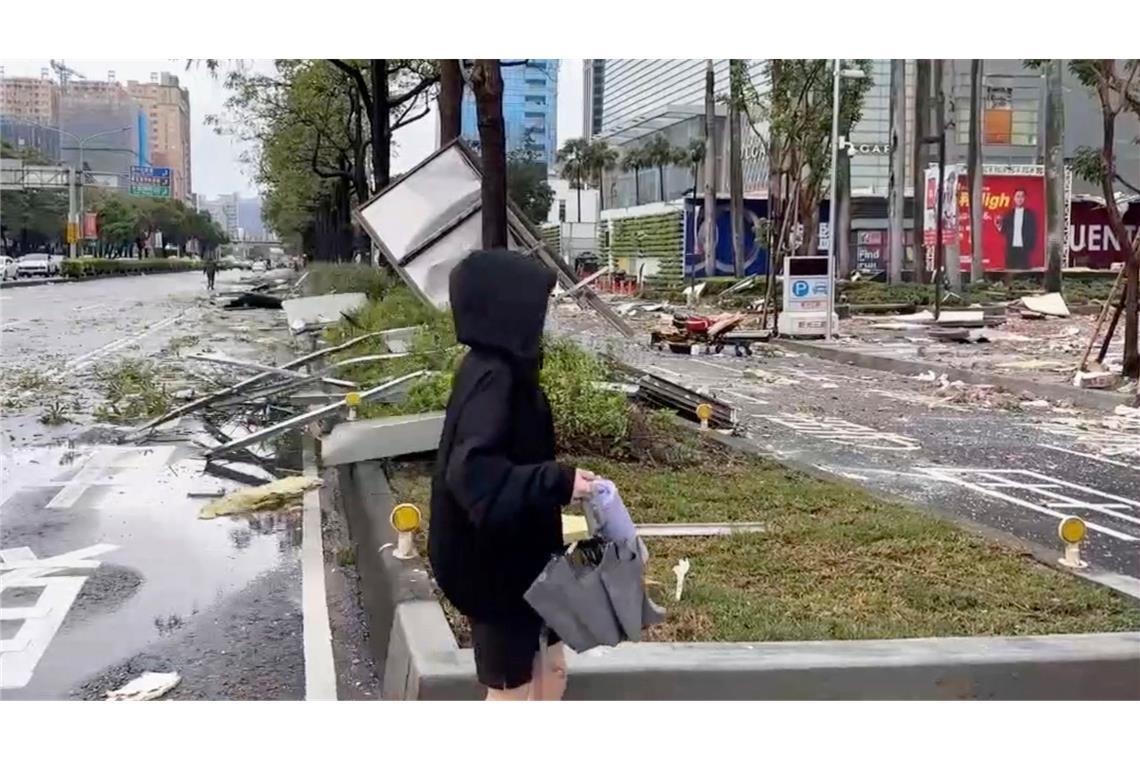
x,y
146,687
1094,379
965,318
1037,403
1050,304
922,316
681,569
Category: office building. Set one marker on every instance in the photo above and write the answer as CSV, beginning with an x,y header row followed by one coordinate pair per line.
x,y
530,108
167,107
249,219
629,102
106,109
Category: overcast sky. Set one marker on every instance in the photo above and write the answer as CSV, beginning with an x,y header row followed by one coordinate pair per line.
x,y
216,160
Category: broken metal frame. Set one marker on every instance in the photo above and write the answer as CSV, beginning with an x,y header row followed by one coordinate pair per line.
x,y
271,369
301,419
658,391
248,383
517,223
583,283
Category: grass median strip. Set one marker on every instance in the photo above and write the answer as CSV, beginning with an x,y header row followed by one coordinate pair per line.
x,y
835,562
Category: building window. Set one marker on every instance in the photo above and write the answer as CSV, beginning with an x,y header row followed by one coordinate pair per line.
x,y
997,119
537,100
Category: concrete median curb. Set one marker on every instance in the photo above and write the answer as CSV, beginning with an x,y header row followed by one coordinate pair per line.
x,y
1106,401
32,282
418,658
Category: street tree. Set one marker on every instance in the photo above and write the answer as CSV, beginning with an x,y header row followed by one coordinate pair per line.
x,y
633,161
600,159
737,74
574,166
659,153
527,185
792,122
486,79
920,157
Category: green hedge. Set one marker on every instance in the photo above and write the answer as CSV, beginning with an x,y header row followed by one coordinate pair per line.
x,y
659,235
87,267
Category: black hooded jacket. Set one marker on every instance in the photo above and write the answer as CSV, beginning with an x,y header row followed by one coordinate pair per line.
x,y
497,492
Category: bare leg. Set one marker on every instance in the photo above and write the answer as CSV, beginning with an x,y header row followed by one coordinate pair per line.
x,y
549,682
518,694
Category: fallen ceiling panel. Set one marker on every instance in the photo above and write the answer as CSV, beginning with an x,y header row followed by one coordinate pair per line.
x,y
317,311
381,438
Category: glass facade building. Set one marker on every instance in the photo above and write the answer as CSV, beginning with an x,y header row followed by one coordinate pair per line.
x,y
530,108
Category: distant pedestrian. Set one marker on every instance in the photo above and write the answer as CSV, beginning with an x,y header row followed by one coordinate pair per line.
x,y
211,267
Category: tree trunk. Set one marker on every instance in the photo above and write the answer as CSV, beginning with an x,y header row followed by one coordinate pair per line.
x,y
450,100
1130,247
896,183
380,122
920,158
735,168
487,83
710,170
637,187
944,91
579,197
1054,176
661,183
974,171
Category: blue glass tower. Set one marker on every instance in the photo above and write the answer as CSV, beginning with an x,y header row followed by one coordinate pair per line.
x,y
530,108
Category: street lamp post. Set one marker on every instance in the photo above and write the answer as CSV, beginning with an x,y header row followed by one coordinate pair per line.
x,y
833,247
77,218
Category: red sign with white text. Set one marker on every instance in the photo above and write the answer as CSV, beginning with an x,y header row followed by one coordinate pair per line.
x,y
1092,242
1013,222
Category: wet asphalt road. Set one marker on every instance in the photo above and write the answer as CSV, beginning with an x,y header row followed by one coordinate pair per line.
x,y
1015,472
107,572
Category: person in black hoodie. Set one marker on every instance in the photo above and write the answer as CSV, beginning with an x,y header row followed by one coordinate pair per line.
x,y
497,491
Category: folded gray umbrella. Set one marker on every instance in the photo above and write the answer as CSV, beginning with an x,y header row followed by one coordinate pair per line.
x,y
594,595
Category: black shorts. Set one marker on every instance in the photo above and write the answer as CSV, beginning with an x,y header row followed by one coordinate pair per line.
x,y
505,650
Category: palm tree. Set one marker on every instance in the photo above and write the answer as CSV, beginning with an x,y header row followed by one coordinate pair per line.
x,y
660,153
693,155
574,158
600,158
634,161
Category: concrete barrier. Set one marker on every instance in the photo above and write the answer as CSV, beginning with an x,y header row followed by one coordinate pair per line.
x,y
418,657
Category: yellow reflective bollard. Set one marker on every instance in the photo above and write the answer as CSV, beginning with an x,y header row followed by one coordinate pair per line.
x,y
704,414
406,519
1072,531
352,401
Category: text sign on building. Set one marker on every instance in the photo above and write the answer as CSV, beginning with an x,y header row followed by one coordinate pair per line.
x,y
150,181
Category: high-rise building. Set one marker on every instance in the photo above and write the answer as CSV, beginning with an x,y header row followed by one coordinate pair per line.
x,y
530,108
224,211
167,107
103,108
30,99
249,219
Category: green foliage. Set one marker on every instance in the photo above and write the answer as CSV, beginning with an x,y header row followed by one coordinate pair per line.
x,y
660,153
132,391
586,418
527,185
659,235
34,217
88,267
324,278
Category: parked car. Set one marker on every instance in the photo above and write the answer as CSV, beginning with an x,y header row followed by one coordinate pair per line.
x,y
36,265
258,266
10,270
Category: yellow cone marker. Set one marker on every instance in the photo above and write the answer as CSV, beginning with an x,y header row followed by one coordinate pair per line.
x,y
406,519
352,401
704,414
1072,531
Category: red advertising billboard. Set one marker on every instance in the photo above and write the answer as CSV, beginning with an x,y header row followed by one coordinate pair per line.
x,y
1013,221
1092,242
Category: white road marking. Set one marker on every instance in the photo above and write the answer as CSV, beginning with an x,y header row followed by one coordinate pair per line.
x,y
1090,456
20,654
841,431
994,478
84,360
320,672
95,470
752,399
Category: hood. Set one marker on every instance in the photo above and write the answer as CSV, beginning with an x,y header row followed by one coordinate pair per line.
x,y
499,300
